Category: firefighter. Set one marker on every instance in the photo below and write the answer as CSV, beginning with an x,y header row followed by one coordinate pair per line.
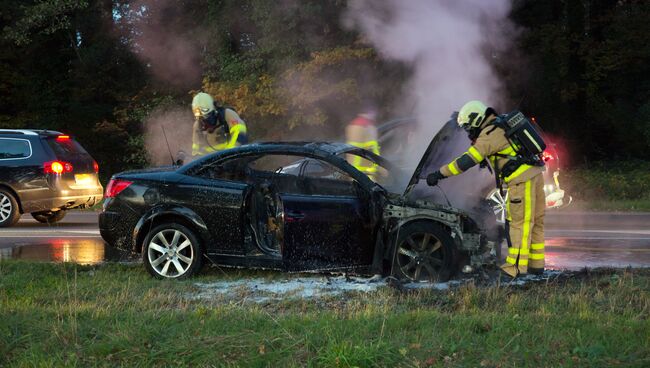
x,y
361,132
215,128
525,185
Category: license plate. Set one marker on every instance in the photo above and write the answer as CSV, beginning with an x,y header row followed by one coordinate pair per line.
x,y
83,179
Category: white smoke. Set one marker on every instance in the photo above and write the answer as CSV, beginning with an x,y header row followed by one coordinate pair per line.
x,y
445,42
450,46
168,130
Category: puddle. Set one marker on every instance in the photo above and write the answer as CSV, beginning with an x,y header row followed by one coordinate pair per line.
x,y
88,251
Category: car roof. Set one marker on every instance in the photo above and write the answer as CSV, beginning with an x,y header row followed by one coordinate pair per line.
x,y
29,132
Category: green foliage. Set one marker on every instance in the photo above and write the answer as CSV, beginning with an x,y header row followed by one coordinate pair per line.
x,y
607,181
587,73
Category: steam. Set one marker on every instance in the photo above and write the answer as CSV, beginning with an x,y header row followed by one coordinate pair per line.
x,y
444,41
166,41
449,45
168,125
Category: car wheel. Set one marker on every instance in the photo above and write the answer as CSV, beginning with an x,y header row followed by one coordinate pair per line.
x,y
48,217
498,203
171,251
424,251
9,211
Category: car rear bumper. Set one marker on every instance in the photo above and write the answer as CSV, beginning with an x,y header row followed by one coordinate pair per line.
x,y
115,230
60,200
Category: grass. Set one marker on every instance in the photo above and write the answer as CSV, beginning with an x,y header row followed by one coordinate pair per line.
x,y
116,315
613,186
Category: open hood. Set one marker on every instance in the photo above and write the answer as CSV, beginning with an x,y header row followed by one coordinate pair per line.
x,y
465,191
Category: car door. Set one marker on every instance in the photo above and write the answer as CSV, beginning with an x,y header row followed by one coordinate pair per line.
x,y
328,225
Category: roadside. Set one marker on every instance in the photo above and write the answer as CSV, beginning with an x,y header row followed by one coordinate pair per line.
x,y
609,186
62,314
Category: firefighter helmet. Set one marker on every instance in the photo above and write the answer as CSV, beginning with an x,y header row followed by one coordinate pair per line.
x,y
472,114
202,105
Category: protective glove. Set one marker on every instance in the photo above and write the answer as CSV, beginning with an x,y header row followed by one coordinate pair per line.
x,y
434,178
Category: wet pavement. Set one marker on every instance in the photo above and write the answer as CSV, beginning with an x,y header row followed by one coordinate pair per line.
x,y
574,240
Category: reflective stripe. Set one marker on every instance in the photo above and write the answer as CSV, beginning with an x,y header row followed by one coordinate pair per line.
x,y
475,154
511,260
452,168
518,172
537,246
537,256
517,251
527,214
357,161
235,130
523,262
510,151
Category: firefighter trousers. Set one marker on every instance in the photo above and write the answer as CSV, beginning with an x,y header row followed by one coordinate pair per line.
x,y
525,208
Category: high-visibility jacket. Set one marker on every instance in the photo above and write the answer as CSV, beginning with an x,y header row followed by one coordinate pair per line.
x,y
362,133
493,145
204,142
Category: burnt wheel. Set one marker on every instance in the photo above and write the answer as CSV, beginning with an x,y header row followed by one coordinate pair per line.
x,y
48,217
171,251
425,251
9,211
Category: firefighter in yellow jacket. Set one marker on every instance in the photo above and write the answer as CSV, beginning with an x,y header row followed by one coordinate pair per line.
x,y
361,132
215,128
525,200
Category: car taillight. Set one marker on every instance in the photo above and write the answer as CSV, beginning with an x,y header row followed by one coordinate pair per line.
x,y
95,166
116,186
63,138
57,167
547,156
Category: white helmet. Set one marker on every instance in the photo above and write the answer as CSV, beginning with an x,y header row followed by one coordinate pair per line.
x,y
472,115
202,105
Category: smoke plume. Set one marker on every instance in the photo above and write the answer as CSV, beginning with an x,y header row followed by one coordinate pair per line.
x,y
168,130
450,46
445,42
167,41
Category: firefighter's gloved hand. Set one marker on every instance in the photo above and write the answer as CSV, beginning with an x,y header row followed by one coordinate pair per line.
x,y
434,178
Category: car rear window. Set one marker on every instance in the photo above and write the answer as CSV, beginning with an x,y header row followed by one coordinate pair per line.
x,y
66,148
14,148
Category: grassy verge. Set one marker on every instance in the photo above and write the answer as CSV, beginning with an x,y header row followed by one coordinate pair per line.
x,y
66,315
610,186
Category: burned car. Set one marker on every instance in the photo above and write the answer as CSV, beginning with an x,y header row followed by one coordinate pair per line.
x,y
288,206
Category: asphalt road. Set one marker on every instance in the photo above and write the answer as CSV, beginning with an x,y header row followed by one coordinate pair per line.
x,y
573,240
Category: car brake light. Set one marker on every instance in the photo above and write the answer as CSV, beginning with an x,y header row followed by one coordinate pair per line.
x,y
547,156
57,167
95,166
115,187
63,138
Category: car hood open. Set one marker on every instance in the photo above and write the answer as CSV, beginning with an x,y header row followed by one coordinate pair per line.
x,y
466,191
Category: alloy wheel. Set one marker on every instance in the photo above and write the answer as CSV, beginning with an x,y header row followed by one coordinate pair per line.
x,y
170,253
498,203
421,256
5,207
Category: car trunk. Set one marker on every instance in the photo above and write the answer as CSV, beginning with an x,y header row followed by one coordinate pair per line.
x,y
83,174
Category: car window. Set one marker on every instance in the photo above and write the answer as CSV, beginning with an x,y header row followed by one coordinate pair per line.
x,y
320,169
66,148
14,148
233,169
